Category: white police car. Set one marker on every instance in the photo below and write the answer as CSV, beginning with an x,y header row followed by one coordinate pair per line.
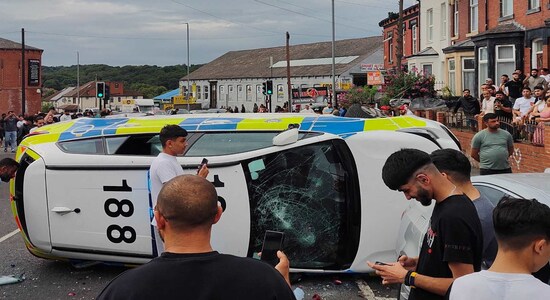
x,y
81,192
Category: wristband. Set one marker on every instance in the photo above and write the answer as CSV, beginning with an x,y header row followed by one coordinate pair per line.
x,y
411,279
407,278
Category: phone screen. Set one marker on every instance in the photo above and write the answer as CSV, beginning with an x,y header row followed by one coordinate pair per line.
x,y
273,241
203,162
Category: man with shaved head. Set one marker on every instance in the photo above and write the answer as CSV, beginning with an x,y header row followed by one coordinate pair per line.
x,y
187,207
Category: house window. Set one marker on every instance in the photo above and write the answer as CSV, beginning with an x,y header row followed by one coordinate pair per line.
x,y
404,39
430,22
427,69
414,39
248,92
205,92
506,8
390,46
455,20
239,92
534,4
483,68
473,15
468,73
505,60
198,92
536,54
443,21
452,76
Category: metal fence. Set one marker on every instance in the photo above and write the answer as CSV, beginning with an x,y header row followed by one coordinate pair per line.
x,y
525,131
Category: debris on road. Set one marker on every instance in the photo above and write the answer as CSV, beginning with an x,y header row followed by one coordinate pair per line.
x,y
9,279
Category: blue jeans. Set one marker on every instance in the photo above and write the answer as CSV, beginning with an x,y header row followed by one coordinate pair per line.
x,y
11,140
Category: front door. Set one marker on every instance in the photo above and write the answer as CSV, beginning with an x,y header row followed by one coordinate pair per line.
x,y
213,94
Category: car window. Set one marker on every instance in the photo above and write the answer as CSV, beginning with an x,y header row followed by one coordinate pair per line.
x,y
307,193
83,146
494,195
138,144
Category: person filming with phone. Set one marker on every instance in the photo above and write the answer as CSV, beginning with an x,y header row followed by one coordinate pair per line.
x,y
165,166
187,208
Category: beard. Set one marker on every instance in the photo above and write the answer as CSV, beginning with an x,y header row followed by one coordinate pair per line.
x,y
424,197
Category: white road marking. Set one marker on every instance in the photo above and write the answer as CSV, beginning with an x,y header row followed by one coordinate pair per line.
x,y
366,292
9,235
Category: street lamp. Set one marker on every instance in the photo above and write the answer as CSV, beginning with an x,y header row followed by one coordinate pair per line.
x,y
188,91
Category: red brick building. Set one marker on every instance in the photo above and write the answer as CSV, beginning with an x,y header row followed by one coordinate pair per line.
x,y
505,35
10,77
411,36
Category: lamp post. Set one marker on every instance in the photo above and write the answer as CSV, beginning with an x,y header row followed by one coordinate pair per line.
x,y
188,91
334,101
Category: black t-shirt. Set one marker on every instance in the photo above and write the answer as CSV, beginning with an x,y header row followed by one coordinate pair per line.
x,y
199,276
514,88
506,103
454,235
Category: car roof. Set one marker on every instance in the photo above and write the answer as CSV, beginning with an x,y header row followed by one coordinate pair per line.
x,y
529,185
90,127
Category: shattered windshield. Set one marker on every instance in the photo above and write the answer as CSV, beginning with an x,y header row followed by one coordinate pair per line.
x,y
306,192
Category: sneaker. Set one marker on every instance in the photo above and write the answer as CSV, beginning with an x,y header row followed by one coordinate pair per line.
x,y
5,149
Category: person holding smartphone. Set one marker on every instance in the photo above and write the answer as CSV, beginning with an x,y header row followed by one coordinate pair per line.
x,y
190,268
165,166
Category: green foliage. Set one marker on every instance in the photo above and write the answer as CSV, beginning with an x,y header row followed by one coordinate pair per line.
x,y
144,79
409,85
357,95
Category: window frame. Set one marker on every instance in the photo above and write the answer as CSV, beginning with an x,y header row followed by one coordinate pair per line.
x,y
443,20
430,25
474,15
456,20
452,83
414,38
485,63
464,70
510,7
504,60
534,52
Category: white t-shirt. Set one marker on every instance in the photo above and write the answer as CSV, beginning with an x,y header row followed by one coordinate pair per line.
x,y
65,117
163,168
523,105
307,111
488,106
503,286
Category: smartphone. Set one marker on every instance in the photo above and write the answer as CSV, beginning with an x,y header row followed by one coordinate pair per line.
x,y
381,263
273,241
203,162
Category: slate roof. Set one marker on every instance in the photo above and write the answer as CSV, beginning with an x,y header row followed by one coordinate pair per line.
x,y
254,63
426,52
11,45
466,45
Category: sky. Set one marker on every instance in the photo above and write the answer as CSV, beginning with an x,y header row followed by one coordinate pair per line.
x,y
153,32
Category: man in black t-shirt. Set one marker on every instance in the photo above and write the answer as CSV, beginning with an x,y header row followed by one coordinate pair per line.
x,y
186,209
514,86
453,244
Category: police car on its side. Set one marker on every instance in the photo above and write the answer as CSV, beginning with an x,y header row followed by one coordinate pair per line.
x,y
81,192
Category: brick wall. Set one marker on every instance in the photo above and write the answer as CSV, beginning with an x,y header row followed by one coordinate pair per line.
x,y
10,82
526,159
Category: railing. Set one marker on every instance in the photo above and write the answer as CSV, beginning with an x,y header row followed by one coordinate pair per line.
x,y
523,132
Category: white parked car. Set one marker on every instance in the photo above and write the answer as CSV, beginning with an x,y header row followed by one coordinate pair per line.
x,y
81,192
415,219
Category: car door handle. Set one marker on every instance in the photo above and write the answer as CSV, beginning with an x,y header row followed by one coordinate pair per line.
x,y
65,210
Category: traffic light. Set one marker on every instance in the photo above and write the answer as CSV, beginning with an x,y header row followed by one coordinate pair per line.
x,y
107,95
100,89
264,88
269,87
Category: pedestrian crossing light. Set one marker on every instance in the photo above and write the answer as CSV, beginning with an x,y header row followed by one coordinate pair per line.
x,y
269,87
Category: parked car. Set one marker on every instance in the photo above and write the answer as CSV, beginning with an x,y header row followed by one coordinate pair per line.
x,y
415,219
81,192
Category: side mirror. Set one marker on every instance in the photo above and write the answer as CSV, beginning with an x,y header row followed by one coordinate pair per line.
x,y
286,137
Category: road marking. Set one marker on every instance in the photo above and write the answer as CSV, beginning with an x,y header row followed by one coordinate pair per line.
x,y
9,235
366,292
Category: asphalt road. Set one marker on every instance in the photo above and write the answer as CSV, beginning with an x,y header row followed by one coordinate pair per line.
x,y
46,279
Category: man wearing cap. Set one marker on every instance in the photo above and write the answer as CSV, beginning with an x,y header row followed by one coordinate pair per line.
x,y
165,166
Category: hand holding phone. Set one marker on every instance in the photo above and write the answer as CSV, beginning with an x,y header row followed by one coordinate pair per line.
x,y
203,162
273,242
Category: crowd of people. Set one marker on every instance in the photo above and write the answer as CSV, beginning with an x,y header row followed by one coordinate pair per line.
x,y
520,103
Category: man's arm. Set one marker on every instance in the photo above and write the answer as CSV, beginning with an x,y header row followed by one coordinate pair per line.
x,y
475,154
395,273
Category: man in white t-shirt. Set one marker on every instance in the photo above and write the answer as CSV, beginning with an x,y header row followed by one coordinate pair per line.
x,y
522,228
165,166
523,104
307,110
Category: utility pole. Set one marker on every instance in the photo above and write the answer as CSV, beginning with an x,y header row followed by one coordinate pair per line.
x,y
289,86
23,104
333,97
399,46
